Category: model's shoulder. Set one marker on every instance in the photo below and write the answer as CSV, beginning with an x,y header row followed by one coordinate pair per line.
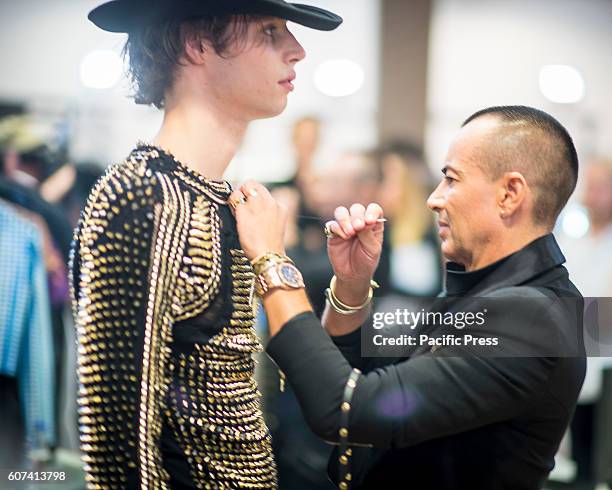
x,y
126,187
133,173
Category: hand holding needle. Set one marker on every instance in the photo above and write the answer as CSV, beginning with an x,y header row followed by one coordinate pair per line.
x,y
330,234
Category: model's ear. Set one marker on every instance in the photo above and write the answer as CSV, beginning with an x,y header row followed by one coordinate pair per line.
x,y
196,48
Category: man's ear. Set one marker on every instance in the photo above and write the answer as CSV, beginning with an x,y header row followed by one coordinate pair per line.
x,y
513,192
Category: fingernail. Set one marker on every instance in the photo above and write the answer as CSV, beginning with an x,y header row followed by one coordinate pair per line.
x,y
358,222
252,192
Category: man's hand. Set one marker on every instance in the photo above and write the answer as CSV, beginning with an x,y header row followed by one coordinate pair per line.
x,y
261,222
354,249
260,219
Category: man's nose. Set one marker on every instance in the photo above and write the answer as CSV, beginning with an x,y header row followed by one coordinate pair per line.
x,y
435,201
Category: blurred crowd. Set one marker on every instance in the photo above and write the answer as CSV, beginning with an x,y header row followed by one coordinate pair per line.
x,y
40,200
42,193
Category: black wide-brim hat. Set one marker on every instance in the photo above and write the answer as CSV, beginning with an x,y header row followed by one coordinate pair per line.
x,y
128,15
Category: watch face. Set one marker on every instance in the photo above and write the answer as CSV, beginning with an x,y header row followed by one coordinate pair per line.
x,y
290,275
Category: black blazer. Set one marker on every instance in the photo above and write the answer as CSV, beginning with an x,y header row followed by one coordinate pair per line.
x,y
467,422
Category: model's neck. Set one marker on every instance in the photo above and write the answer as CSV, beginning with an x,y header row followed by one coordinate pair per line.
x,y
201,137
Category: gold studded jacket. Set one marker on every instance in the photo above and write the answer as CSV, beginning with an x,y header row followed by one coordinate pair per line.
x,y
162,299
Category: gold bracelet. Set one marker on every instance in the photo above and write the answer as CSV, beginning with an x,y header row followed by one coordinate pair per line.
x,y
342,308
265,261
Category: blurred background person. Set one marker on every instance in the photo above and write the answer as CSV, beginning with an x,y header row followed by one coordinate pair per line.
x,y
589,260
41,199
27,370
35,237
354,176
27,161
415,259
69,186
595,247
305,142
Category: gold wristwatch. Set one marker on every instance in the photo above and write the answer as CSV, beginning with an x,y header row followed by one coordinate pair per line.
x,y
280,274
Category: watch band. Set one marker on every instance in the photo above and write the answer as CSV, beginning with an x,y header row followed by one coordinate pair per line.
x,y
262,262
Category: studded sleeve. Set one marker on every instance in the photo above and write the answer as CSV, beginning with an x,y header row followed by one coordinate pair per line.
x,y
122,263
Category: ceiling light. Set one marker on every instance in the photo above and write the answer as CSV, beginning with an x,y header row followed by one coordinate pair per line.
x,y
339,78
562,84
101,69
575,221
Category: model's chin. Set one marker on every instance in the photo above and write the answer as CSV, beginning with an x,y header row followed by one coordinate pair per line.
x,y
282,104
272,110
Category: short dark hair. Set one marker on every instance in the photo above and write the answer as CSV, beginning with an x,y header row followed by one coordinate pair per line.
x,y
155,50
535,143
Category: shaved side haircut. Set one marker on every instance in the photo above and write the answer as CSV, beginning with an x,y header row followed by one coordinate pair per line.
x,y
535,144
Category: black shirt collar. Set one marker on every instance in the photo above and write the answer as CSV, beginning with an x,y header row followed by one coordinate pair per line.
x,y
537,257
